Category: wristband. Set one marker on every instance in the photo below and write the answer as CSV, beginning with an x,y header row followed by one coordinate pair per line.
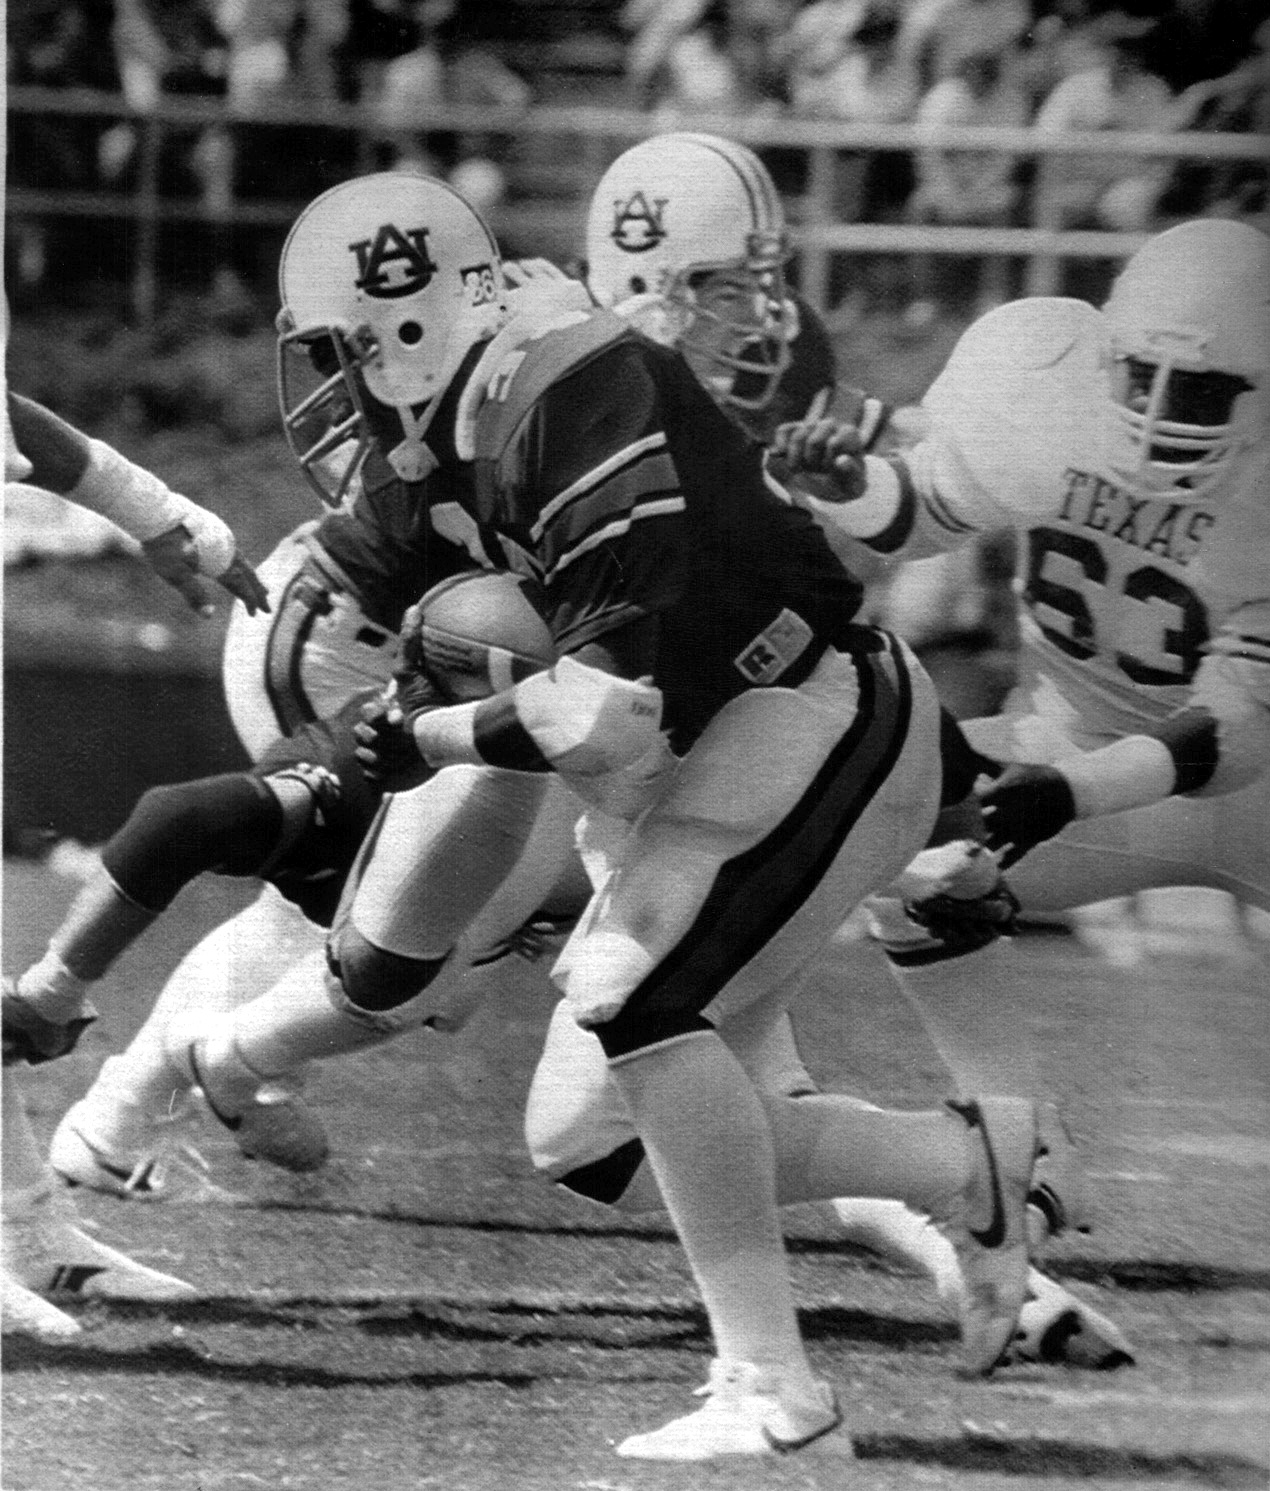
x,y
873,512
142,504
1130,773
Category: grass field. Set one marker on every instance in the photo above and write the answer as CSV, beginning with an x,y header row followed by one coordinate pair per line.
x,y
426,1313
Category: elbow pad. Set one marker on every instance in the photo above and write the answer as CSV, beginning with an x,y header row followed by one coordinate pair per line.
x,y
587,722
571,718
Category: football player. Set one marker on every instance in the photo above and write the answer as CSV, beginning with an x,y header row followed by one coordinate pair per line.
x,y
44,1250
1128,448
341,584
665,230
781,763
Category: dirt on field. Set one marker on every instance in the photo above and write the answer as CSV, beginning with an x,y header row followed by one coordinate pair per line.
x,y
427,1313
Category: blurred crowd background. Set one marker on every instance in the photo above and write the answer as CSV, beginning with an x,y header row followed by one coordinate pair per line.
x,y
1049,65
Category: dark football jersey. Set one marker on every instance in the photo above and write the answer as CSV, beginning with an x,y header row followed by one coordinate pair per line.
x,y
386,547
313,871
608,474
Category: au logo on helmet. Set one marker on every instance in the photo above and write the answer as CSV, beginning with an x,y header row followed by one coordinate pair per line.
x,y
394,263
638,223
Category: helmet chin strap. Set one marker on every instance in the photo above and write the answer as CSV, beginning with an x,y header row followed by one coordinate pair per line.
x,y
413,459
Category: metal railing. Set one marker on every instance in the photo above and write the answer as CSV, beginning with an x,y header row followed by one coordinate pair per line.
x,y
598,135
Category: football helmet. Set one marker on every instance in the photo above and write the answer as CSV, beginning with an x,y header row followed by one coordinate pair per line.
x,y
686,235
387,283
1187,358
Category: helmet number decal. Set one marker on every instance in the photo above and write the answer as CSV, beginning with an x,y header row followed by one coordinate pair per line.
x,y
394,263
480,284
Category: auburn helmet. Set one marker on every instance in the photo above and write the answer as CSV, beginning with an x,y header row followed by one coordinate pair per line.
x,y
686,235
1187,358
387,282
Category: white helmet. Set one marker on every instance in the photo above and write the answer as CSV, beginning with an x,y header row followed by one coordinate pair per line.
x,y
1188,328
387,282
686,235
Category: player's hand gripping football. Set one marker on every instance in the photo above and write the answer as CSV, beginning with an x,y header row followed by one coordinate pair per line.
x,y
385,739
177,557
1025,806
825,457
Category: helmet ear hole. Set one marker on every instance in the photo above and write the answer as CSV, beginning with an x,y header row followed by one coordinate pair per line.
x,y
410,333
638,284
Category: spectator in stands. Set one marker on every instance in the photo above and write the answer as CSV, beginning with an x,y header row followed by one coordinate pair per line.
x,y
680,60
1239,102
440,71
981,87
52,44
1107,191
280,50
930,31
845,64
1062,41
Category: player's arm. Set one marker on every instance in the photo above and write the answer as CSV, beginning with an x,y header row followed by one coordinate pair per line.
x,y
182,541
1217,743
908,504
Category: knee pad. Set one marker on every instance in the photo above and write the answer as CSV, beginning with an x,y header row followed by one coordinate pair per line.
x,y
374,980
228,824
606,1179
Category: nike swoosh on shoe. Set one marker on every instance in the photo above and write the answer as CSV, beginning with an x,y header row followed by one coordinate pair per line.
x,y
993,1235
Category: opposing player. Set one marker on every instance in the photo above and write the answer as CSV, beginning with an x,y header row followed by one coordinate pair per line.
x,y
606,474
1128,447
44,1250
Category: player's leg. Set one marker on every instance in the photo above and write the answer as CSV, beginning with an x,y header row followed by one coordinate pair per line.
x,y
305,658
122,1134
234,824
719,877
44,1251
449,869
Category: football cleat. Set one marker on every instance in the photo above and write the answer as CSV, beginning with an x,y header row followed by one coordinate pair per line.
x,y
749,1410
273,1124
45,1251
126,1151
1058,1199
1056,1327
25,1313
990,1230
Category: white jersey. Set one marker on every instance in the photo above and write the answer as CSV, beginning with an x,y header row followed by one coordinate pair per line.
x,y
1123,596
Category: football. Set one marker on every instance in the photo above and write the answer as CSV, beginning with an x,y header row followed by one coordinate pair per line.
x,y
479,633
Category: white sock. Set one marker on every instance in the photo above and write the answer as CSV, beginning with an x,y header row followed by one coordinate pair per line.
x,y
53,989
710,1148
24,1167
303,1017
966,1006
830,1146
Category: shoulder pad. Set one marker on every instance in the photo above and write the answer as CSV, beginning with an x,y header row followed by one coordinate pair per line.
x,y
1025,335
529,370
1016,397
